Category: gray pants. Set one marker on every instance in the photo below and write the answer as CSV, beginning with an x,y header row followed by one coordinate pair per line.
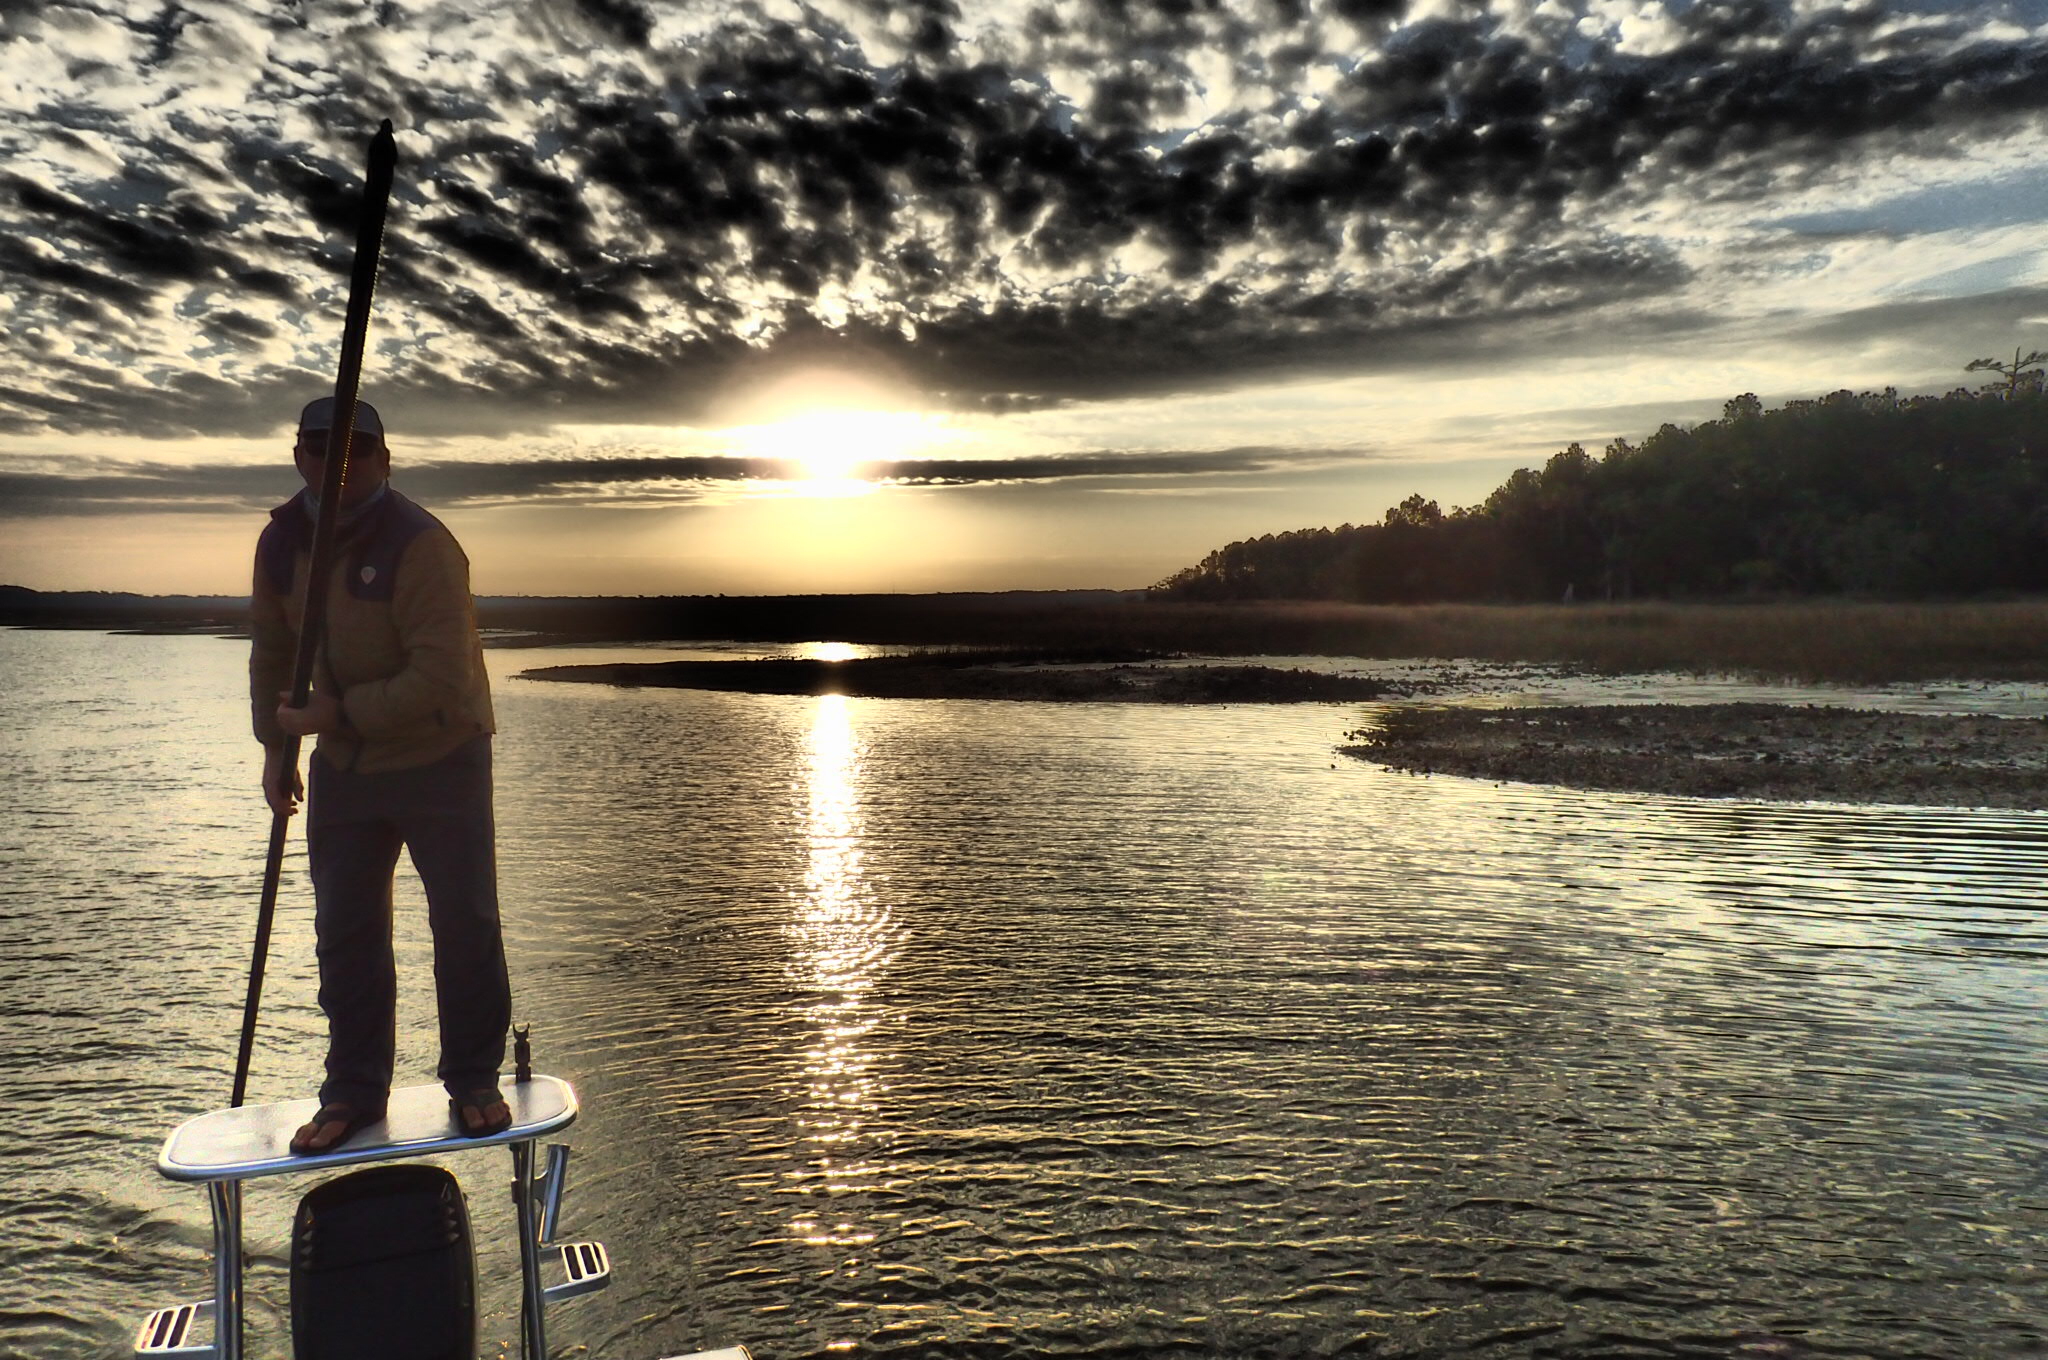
x,y
355,826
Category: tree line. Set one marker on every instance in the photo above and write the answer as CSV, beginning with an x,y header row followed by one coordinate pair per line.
x,y
1852,493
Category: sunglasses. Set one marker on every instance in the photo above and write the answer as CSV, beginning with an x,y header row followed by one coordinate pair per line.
x,y
362,445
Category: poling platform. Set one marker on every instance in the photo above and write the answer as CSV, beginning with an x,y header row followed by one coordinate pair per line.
x,y
221,1150
255,1140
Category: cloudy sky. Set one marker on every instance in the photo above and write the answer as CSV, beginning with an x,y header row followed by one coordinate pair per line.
x,y
961,294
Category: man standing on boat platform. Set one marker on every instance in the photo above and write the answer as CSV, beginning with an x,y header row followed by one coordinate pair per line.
x,y
402,710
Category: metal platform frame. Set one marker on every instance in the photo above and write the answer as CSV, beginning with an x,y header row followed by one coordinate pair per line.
x,y
223,1149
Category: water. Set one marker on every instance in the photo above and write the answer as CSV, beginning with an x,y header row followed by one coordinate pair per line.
x,y
962,1029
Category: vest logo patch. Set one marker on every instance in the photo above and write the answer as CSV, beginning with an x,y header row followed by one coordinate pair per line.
x,y
368,574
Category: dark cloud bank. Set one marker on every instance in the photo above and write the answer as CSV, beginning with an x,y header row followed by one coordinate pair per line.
x,y
684,221
125,488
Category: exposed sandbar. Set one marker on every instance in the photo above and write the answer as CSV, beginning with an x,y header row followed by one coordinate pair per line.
x,y
984,676
1766,751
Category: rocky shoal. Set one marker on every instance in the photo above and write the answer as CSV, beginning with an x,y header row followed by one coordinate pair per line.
x,y
1738,750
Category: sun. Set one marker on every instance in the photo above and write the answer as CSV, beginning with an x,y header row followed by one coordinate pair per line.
x,y
825,430
836,452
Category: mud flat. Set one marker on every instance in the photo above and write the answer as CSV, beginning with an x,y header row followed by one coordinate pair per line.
x,y
980,675
1743,750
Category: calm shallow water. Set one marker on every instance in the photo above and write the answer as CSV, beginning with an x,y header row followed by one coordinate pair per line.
x,y
912,1028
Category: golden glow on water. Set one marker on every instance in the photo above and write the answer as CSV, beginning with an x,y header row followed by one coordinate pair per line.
x,y
839,947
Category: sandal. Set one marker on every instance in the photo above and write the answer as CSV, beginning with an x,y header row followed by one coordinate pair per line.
x,y
352,1118
480,1101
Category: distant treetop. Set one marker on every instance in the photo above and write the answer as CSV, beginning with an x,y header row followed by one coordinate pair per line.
x,y
1853,492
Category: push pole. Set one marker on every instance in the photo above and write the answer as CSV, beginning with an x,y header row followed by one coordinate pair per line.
x,y
313,604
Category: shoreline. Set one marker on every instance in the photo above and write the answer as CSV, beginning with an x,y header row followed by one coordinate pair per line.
x,y
1810,640
1774,746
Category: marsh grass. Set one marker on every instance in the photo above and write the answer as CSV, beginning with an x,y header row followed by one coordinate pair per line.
x,y
1846,641
1858,642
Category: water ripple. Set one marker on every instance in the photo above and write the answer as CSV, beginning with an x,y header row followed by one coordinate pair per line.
x,y
920,1029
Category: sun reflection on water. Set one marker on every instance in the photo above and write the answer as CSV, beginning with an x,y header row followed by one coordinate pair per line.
x,y
840,945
